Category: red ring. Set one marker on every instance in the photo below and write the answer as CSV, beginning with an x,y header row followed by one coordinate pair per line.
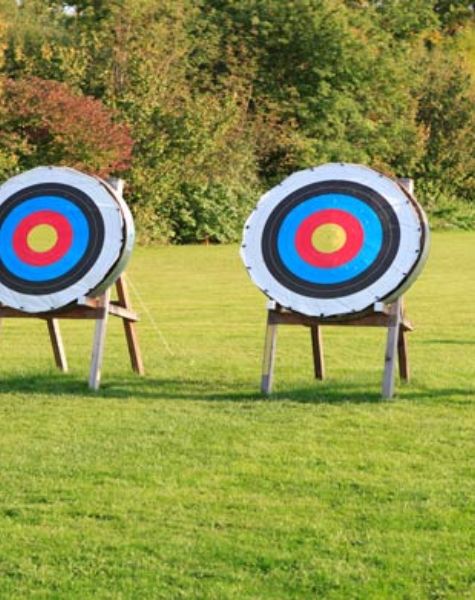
x,y
63,242
351,247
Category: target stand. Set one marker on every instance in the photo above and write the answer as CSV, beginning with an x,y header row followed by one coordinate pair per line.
x,y
390,316
91,308
337,245
90,239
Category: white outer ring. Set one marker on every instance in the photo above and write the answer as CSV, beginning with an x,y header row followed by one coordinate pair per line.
x,y
128,241
409,252
113,237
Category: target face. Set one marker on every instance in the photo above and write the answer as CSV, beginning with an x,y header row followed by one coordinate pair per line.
x,y
62,233
334,240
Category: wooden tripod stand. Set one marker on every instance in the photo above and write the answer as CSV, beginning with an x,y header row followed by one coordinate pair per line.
x,y
383,315
91,308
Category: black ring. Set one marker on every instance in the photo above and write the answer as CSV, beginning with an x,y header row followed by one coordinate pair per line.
x,y
96,238
390,246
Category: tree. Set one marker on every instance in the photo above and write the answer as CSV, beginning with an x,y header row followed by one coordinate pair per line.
x,y
225,97
330,73
454,14
53,125
446,110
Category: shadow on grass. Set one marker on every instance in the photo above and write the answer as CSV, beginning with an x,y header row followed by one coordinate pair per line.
x,y
449,342
56,385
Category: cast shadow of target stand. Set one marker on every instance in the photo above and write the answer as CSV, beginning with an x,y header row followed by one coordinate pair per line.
x,y
91,308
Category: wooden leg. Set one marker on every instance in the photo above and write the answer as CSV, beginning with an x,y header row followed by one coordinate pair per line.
x,y
99,342
57,344
403,359
269,357
402,352
391,349
130,328
317,347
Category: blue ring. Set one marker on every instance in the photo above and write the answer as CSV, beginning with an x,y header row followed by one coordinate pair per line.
x,y
80,238
372,239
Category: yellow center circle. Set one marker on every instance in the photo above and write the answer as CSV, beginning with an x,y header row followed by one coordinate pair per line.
x,y
328,238
42,238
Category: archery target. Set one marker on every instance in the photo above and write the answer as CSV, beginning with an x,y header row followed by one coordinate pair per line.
x,y
86,234
334,240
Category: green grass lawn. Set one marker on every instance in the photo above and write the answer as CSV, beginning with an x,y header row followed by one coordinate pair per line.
x,y
188,484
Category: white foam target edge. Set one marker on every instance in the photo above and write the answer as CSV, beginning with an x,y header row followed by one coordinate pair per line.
x,y
128,241
110,252
410,245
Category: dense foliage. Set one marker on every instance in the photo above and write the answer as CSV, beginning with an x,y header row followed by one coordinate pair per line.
x,y
223,98
50,124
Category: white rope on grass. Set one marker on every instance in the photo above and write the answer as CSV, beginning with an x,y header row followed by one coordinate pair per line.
x,y
150,316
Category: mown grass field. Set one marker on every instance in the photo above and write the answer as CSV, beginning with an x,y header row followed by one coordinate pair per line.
x,y
188,484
